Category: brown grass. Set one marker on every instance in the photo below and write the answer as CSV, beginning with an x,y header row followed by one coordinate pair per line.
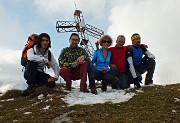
x,y
157,104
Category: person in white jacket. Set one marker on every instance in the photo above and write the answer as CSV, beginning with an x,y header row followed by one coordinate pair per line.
x,y
39,57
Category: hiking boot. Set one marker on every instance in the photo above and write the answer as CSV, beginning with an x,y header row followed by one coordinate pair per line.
x,y
68,88
30,89
84,90
93,90
115,87
148,82
103,88
137,86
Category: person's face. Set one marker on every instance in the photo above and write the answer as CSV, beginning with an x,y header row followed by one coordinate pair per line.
x,y
74,41
44,42
136,42
120,41
106,43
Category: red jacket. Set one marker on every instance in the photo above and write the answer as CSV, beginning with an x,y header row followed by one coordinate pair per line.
x,y
118,57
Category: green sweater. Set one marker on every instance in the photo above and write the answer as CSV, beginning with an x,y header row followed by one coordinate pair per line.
x,y
68,56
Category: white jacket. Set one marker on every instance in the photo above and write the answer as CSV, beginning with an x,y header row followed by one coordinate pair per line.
x,y
34,55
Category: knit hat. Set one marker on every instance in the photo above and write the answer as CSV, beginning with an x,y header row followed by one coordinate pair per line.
x,y
135,36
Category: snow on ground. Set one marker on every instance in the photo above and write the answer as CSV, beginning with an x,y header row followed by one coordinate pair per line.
x,y
76,97
111,95
115,96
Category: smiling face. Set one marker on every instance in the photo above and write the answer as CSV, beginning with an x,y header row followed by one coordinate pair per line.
x,y
120,41
105,40
74,40
106,43
44,42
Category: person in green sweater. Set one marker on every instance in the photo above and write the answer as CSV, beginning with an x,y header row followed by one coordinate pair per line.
x,y
73,62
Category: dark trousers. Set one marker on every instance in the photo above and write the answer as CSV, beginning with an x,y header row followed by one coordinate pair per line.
x,y
148,65
80,72
35,77
94,74
121,78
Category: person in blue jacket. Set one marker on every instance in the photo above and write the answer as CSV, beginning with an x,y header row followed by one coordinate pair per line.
x,y
140,60
99,68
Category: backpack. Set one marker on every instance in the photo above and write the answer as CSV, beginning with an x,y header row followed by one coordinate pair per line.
x,y
32,40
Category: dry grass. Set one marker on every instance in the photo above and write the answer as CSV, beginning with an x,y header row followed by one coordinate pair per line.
x,y
157,104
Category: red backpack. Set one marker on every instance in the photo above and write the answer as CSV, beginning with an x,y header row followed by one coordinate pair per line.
x,y
32,39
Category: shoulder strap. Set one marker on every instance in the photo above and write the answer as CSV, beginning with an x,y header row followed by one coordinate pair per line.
x,y
130,49
34,50
49,55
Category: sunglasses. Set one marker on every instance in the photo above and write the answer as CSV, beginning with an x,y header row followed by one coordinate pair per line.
x,y
104,41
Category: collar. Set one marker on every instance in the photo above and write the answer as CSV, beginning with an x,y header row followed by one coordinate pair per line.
x,y
135,46
119,47
71,47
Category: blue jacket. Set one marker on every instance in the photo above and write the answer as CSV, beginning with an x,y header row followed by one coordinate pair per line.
x,y
137,55
99,60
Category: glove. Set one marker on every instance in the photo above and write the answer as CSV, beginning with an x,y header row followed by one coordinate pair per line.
x,y
136,82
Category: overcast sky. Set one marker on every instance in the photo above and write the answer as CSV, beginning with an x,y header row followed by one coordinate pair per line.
x,y
157,21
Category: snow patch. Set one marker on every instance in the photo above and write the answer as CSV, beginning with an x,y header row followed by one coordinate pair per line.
x,y
115,96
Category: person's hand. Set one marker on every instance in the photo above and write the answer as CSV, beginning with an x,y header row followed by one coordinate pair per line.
x,y
144,45
136,79
137,82
80,60
97,44
113,65
48,65
51,79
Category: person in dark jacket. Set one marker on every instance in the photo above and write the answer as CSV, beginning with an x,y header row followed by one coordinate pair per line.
x,y
139,64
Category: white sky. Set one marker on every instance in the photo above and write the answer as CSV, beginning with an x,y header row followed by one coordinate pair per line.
x,y
158,23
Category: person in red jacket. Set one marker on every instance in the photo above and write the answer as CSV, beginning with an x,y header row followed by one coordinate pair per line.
x,y
119,63
119,67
